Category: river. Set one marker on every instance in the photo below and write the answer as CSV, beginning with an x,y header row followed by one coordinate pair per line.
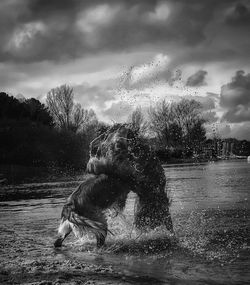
x,y
211,216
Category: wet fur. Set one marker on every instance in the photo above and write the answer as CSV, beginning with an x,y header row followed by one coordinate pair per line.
x,y
140,169
84,208
119,162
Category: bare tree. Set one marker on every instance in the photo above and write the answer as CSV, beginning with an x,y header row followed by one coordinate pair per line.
x,y
66,114
137,121
178,123
160,118
189,117
186,114
80,116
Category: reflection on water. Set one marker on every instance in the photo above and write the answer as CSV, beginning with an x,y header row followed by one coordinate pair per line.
x,y
211,214
222,184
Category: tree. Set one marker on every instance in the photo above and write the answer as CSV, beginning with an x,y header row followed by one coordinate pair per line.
x,y
80,117
196,136
160,120
38,112
66,114
178,124
174,134
137,121
11,108
188,116
92,126
29,109
28,136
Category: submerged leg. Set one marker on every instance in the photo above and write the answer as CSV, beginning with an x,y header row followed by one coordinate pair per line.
x,y
94,222
153,211
64,230
120,204
100,228
100,239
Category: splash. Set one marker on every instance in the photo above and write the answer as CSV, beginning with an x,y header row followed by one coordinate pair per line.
x,y
204,236
126,239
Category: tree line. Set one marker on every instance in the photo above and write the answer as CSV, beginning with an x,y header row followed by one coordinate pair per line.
x,y
58,133
53,135
177,133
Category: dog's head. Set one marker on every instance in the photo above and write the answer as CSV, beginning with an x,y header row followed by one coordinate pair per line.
x,y
65,226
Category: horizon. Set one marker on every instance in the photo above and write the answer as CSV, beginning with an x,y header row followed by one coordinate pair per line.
x,y
121,54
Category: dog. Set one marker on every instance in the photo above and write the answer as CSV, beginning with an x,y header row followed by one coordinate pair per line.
x,y
119,162
120,152
84,209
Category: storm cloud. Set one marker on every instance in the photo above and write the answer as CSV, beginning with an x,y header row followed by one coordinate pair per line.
x,y
235,98
117,54
36,30
239,15
197,79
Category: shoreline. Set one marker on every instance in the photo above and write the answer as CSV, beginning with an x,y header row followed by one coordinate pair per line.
x,y
186,162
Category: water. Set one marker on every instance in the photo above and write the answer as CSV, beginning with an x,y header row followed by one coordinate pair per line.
x,y
211,215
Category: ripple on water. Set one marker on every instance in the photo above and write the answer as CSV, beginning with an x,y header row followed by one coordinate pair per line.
x,y
211,218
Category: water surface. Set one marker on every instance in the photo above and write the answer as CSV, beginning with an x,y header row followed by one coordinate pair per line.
x,y
211,215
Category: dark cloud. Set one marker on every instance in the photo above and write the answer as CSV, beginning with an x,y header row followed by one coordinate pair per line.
x,y
239,15
235,98
238,114
45,7
241,131
197,79
37,30
59,30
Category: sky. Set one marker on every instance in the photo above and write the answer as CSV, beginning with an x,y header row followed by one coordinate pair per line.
x,y
119,54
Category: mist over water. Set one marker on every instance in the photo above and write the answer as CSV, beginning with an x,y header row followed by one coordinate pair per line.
x,y
211,215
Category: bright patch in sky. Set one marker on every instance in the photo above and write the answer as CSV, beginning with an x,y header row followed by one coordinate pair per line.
x,y
25,34
93,18
148,70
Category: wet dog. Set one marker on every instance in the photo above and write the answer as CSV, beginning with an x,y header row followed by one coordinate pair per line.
x,y
122,153
120,162
84,209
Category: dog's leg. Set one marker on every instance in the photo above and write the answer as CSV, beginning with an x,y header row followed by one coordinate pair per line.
x,y
64,230
100,238
119,205
102,230
94,222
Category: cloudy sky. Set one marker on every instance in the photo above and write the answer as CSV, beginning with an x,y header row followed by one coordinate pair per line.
x,y
118,54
